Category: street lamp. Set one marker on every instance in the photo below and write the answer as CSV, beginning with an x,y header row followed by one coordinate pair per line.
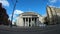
x,y
13,13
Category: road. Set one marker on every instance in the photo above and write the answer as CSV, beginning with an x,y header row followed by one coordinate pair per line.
x,y
52,29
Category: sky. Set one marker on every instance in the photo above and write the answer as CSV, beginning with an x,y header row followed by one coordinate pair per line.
x,y
38,6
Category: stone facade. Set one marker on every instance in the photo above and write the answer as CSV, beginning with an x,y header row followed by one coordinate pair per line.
x,y
29,19
53,15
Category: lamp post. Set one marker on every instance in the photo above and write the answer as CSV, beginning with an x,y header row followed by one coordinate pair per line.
x,y
13,13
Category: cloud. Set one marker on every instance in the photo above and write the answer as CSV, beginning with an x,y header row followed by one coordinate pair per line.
x,y
4,2
54,6
52,1
16,12
14,16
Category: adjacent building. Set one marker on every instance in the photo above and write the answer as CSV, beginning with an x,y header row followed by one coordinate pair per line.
x,y
53,15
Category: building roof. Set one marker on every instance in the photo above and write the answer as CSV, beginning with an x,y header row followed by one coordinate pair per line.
x,y
30,13
55,8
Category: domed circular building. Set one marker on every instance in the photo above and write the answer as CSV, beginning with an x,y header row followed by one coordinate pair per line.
x,y
29,19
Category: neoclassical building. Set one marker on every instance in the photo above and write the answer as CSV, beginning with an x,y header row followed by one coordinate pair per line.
x,y
29,19
53,15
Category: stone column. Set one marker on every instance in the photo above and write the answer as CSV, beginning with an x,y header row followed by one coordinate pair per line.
x,y
37,21
34,22
28,22
31,22
25,22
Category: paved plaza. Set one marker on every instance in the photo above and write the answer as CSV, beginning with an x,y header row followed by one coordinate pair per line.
x,y
51,29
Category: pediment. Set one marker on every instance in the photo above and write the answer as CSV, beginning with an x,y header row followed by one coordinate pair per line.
x,y
29,14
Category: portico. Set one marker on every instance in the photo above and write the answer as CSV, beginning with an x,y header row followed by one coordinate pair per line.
x,y
30,21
